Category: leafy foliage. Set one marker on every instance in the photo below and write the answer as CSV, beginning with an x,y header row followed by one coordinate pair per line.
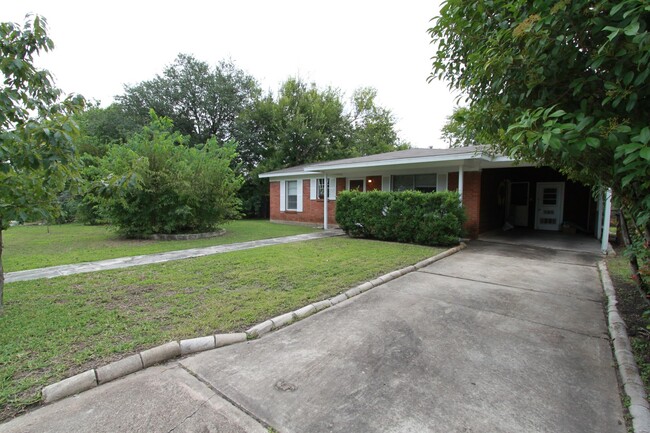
x,y
408,216
203,102
156,184
459,131
559,83
37,154
306,124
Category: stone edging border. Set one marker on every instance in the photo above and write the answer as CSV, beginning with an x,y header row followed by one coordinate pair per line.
x,y
186,237
114,370
632,383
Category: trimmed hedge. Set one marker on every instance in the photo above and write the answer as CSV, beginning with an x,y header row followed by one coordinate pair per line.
x,y
409,216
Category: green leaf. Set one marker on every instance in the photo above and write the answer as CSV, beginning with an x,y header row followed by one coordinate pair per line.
x,y
593,142
644,136
645,153
632,29
616,8
628,78
631,102
558,113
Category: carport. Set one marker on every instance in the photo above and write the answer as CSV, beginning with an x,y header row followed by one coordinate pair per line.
x,y
537,198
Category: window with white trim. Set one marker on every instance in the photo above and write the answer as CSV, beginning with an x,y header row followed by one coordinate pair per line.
x,y
417,182
320,193
292,195
316,189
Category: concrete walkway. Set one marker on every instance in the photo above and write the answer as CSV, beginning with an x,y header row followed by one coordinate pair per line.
x,y
127,262
496,338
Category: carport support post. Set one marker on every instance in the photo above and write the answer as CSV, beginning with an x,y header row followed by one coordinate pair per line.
x,y
608,211
460,183
599,219
325,200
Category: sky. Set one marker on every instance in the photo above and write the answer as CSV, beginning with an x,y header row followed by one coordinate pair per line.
x,y
101,46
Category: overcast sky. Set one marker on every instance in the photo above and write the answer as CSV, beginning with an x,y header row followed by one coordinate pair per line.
x,y
100,46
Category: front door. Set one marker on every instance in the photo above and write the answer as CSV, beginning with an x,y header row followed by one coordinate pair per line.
x,y
550,201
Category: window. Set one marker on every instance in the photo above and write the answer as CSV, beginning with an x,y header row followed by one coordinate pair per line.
x,y
320,194
417,182
425,182
356,184
317,189
292,195
402,183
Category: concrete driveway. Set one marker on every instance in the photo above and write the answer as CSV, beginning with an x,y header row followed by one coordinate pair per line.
x,y
497,338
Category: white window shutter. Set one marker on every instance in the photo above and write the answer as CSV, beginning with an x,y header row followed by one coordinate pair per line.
x,y
312,189
331,193
283,196
443,183
299,192
385,183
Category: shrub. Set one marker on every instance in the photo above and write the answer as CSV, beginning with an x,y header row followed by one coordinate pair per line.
x,y
155,183
409,216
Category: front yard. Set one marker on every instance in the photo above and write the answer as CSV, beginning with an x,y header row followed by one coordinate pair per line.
x,y
52,329
29,247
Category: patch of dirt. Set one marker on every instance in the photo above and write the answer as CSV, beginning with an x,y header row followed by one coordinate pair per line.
x,y
631,307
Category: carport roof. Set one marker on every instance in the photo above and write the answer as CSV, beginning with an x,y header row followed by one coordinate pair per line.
x,y
400,157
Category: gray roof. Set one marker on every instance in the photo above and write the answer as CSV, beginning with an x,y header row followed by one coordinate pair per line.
x,y
400,154
387,156
289,170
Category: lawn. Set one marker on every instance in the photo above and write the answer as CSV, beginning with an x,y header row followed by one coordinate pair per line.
x,y
30,247
52,329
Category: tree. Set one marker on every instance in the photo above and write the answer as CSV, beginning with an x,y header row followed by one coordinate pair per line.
x,y
99,127
459,130
154,183
305,124
560,83
203,102
373,126
37,154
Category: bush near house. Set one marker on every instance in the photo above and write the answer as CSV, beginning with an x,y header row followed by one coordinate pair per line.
x,y
408,216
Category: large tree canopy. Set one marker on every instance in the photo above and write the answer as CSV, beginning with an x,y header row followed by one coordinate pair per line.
x,y
305,123
37,155
202,101
562,83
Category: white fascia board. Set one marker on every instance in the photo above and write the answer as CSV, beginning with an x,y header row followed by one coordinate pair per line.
x,y
402,161
304,173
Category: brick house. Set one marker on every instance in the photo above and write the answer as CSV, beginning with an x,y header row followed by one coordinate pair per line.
x,y
494,189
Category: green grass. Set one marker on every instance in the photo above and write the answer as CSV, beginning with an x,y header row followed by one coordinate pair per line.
x,y
52,329
30,247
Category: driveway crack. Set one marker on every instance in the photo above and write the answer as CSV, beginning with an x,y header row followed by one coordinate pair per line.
x,y
598,301
225,397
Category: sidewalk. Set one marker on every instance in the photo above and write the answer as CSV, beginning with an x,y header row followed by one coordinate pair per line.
x,y
127,262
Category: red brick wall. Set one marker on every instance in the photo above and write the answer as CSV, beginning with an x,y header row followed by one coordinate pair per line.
x,y
312,210
471,198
